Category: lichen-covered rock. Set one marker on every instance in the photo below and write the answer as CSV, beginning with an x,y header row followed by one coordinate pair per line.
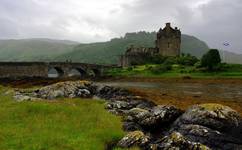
x,y
131,126
176,141
210,137
85,93
136,138
68,89
166,113
214,125
214,116
108,92
156,117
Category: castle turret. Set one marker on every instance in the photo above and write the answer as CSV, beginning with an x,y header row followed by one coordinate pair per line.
x,y
169,41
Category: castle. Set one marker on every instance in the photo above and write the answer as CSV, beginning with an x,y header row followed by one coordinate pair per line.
x,y
168,43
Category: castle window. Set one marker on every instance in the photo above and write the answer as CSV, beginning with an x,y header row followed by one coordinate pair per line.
x,y
168,45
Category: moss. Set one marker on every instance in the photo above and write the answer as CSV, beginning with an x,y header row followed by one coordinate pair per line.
x,y
212,106
199,146
177,137
137,135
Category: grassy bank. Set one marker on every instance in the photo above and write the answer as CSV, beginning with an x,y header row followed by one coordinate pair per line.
x,y
60,125
175,71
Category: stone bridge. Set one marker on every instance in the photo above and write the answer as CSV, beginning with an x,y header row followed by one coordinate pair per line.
x,y
42,69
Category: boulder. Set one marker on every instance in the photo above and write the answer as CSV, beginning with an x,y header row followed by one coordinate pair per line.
x,y
70,89
157,117
210,137
84,93
108,92
131,126
135,138
176,141
214,116
214,125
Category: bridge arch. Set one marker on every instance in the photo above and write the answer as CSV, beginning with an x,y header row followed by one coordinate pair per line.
x,y
96,72
77,72
55,72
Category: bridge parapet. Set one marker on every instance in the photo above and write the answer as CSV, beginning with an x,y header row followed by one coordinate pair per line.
x,y
41,69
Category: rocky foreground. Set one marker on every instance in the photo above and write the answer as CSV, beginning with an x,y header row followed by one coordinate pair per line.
x,y
151,126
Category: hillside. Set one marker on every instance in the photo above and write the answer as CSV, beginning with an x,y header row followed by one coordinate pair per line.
x,y
103,52
230,57
34,49
109,52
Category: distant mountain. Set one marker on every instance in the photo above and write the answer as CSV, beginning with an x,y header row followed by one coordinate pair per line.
x,y
103,52
34,49
230,57
109,52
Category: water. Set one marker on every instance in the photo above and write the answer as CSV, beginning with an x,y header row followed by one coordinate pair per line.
x,y
216,90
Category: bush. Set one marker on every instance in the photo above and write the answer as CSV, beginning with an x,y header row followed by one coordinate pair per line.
x,y
129,68
160,69
187,60
157,59
211,59
198,64
170,61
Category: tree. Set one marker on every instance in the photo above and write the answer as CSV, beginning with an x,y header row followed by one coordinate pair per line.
x,y
211,59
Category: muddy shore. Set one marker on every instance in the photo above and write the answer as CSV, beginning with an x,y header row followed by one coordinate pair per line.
x,y
170,97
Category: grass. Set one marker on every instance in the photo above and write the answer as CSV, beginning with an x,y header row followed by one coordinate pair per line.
x,y
232,71
60,125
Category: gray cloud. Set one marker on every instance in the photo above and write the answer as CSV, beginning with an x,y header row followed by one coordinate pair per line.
x,y
214,21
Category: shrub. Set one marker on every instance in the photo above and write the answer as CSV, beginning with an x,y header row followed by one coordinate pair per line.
x,y
198,64
129,68
187,60
158,59
160,69
170,61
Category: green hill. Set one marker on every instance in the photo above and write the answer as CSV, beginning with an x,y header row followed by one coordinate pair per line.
x,y
34,49
103,52
109,52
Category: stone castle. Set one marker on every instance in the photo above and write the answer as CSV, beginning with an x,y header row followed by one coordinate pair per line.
x,y
168,43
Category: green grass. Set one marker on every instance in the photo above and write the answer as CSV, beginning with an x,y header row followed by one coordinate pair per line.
x,y
233,71
61,125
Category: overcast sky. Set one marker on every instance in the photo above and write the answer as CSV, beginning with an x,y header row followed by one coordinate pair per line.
x,y
213,21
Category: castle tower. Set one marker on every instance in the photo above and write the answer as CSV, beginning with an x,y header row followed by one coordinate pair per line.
x,y
169,41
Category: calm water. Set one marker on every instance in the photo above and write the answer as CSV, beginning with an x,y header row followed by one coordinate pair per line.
x,y
217,90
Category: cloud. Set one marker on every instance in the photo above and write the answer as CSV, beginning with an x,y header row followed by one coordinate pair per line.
x,y
213,21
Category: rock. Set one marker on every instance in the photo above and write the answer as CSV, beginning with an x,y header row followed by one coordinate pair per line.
x,y
70,89
118,105
157,117
210,137
165,113
21,98
176,141
108,92
214,116
131,126
56,94
214,125
84,93
135,138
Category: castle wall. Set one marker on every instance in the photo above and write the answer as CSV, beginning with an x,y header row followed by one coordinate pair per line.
x,y
136,56
169,46
168,43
